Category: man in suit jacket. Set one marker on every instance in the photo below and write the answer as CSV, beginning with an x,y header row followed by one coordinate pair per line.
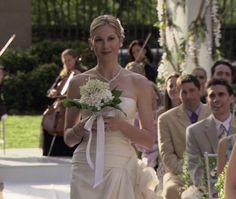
x,y
171,132
203,136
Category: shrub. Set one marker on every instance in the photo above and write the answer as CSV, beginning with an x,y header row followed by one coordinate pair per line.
x,y
30,73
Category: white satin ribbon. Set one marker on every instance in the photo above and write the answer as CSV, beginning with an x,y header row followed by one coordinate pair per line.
x,y
99,162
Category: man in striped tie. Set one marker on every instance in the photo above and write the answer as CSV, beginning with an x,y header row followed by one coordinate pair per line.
x,y
204,135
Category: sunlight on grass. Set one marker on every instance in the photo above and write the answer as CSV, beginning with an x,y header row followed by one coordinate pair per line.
x,y
23,131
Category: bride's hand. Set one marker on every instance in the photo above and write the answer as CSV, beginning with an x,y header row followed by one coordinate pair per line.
x,y
113,123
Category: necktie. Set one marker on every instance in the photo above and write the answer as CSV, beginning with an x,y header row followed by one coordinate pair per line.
x,y
193,117
222,131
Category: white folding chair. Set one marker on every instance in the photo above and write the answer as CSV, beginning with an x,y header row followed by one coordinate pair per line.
x,y
210,180
3,132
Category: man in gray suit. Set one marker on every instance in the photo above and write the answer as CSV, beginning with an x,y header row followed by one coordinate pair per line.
x,y
171,132
203,136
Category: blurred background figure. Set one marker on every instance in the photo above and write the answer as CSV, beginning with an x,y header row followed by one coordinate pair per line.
x,y
3,109
171,94
141,59
171,100
223,70
201,74
53,119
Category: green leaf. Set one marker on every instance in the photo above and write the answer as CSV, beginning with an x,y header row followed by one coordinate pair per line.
x,y
71,102
116,93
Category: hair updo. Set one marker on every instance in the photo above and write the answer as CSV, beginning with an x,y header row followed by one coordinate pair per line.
x,y
110,20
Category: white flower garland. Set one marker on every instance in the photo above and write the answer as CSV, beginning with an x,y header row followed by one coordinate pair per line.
x,y
192,43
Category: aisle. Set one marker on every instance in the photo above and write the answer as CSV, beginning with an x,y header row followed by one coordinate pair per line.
x,y
28,175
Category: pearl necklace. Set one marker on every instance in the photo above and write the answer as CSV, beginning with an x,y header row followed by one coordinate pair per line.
x,y
107,80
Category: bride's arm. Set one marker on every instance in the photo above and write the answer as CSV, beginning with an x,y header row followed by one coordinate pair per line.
x,y
230,181
145,135
74,130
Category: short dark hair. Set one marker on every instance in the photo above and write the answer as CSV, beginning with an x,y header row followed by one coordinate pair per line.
x,y
221,82
221,62
188,79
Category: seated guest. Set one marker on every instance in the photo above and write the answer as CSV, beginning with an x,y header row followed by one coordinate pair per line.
x,y
171,132
204,135
222,70
171,95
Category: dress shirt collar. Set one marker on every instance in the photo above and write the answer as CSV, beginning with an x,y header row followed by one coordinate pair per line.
x,y
197,111
226,123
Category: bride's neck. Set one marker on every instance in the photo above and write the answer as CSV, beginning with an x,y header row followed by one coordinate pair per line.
x,y
108,68
108,73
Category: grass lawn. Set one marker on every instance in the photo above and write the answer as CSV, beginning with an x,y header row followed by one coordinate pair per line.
x,y
23,131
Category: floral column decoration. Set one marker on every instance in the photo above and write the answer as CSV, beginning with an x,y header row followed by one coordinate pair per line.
x,y
189,34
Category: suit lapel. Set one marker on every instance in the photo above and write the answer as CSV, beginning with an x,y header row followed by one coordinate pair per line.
x,y
211,133
182,116
204,112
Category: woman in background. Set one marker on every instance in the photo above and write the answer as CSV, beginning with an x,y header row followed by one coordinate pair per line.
x,y
141,60
53,142
171,95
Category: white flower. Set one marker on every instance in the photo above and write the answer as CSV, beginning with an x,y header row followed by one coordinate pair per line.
x,y
95,93
216,22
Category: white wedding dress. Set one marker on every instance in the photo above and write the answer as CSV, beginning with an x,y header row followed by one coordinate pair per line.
x,y
124,177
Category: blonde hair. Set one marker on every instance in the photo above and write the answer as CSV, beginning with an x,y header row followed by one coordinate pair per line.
x,y
70,52
107,20
64,72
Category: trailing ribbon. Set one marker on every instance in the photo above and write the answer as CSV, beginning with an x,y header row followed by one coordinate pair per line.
x,y
99,162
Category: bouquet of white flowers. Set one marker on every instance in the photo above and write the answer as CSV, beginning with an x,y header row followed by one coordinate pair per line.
x,y
96,95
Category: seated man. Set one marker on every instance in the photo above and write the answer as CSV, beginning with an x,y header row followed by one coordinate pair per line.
x,y
204,136
171,132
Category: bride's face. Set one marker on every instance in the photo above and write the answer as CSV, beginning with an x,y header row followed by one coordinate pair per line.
x,y
105,43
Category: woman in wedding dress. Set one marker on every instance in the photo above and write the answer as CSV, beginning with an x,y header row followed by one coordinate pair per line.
x,y
117,174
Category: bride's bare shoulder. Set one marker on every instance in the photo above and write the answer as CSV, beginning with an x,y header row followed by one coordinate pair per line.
x,y
135,77
83,77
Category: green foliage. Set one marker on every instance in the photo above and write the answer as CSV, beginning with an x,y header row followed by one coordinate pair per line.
x,y
186,179
16,61
220,183
30,73
29,89
81,12
50,51
185,176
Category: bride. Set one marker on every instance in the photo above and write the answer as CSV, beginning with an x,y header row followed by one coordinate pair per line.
x,y
123,176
